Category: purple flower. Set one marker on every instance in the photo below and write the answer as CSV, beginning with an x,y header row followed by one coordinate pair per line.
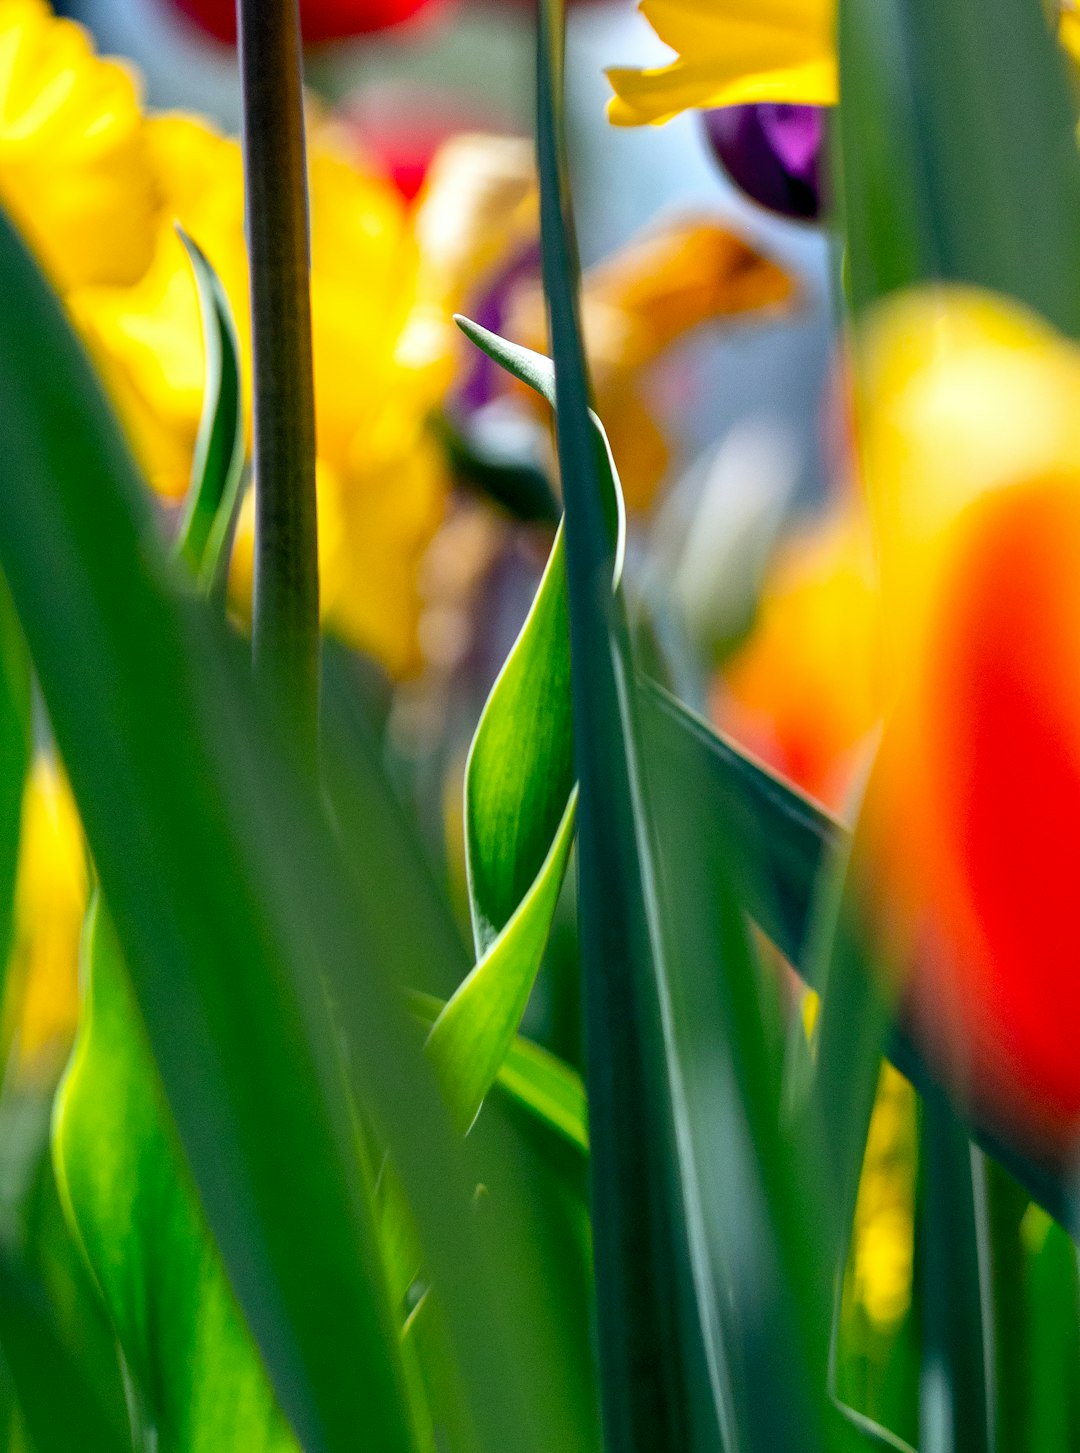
x,y
773,152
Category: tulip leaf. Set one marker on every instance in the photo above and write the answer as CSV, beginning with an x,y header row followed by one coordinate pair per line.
x,y
547,1087
956,1406
235,909
1051,1336
15,749
471,1038
944,108
781,839
58,1400
122,1178
519,826
536,1079
218,465
647,1236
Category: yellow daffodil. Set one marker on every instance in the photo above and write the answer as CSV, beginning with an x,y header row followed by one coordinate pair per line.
x,y
737,52
50,902
639,303
730,52
74,170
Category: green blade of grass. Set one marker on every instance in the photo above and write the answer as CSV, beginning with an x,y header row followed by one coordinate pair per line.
x,y
1052,1343
781,842
217,468
780,838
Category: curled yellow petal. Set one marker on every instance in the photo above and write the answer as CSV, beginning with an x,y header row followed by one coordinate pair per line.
x,y
730,52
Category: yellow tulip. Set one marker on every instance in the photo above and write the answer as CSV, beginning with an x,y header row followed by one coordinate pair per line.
x,y
804,692
971,454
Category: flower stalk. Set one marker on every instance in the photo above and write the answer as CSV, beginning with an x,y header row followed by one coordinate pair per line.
x,y
285,616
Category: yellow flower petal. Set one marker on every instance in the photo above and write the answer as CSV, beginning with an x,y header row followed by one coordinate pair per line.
x,y
730,52
50,901
804,691
74,169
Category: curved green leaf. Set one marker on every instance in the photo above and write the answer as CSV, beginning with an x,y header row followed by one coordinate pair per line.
x,y
130,1198
519,826
538,1080
217,468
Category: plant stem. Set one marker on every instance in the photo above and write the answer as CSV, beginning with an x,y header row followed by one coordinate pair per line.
x,y
285,621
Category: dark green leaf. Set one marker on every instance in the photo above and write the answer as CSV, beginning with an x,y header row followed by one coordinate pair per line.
x,y
59,1403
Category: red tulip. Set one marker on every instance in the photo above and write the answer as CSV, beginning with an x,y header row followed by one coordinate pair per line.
x,y
972,450
322,20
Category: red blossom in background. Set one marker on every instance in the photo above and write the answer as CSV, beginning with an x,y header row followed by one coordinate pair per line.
x,y
322,20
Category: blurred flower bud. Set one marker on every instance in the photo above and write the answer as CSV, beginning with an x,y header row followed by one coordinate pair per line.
x,y
772,152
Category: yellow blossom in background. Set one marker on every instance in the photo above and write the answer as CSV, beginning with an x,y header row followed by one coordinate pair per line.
x,y
730,52
385,283
50,902
882,1242
735,52
639,303
74,171
804,691
939,370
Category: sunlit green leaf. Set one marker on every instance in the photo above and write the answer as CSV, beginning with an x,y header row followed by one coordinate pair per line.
x,y
125,1185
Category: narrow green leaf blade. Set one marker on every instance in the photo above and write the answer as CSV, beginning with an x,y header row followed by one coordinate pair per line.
x,y
217,468
657,1371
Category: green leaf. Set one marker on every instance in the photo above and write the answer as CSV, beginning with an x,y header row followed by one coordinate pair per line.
x,y
130,1198
547,1087
780,838
536,1079
217,468
1052,1336
229,897
956,1410
780,843
667,1377
59,1403
958,151
519,826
